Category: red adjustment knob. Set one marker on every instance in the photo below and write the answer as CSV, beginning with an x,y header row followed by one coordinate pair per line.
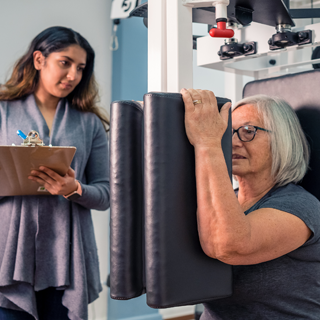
x,y
221,31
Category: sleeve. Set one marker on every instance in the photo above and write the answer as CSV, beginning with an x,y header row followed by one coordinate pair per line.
x,y
1,197
96,191
303,205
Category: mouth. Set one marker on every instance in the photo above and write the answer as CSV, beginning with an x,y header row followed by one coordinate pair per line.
x,y
66,85
237,157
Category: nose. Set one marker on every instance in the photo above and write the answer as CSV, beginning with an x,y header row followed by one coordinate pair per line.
x,y
72,74
235,140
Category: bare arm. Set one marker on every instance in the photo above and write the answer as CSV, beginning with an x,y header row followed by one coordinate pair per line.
x,y
225,232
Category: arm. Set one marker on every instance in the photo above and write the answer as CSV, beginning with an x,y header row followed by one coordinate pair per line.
x,y
225,232
95,193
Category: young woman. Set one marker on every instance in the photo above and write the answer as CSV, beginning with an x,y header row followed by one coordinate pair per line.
x,y
48,255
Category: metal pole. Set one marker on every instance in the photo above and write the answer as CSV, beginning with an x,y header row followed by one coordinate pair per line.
x,y
179,46
157,46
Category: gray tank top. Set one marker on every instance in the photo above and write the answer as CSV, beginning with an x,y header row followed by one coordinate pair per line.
x,y
284,288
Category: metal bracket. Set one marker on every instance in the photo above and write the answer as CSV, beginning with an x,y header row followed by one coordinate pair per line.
x,y
281,40
243,15
33,139
197,3
234,49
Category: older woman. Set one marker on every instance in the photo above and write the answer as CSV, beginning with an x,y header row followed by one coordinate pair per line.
x,y
270,230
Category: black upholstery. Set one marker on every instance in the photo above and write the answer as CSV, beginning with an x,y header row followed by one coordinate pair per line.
x,y
126,201
301,91
177,271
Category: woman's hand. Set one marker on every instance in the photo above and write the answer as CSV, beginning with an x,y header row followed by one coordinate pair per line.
x,y
53,182
205,126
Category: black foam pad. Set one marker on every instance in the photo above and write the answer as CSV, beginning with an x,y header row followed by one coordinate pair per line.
x,y
126,201
301,92
178,272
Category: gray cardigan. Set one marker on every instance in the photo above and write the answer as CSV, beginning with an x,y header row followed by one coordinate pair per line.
x,y
48,241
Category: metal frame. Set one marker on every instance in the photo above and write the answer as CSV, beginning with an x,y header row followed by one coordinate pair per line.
x,y
290,59
304,13
170,53
157,46
170,46
287,3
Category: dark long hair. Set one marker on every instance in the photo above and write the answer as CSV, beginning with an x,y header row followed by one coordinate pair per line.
x,y
25,77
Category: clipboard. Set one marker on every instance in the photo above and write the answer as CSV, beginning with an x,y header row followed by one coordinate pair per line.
x,y
16,163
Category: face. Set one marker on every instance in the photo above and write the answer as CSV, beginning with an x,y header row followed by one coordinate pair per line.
x,y
254,157
61,71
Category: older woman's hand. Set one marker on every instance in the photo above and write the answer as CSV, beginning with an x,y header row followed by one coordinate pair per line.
x,y
205,126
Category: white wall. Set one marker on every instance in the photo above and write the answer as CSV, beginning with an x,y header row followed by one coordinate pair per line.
x,y
20,22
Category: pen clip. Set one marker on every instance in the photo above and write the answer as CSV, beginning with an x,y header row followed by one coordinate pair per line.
x,y
33,139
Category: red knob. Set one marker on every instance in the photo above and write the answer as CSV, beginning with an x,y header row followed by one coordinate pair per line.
x,y
221,31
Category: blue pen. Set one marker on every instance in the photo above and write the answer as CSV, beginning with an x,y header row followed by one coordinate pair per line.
x,y
21,134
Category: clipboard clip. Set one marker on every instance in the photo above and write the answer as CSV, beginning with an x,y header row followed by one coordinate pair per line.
x,y
32,139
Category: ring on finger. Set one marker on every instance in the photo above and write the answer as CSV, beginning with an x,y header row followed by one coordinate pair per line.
x,y
195,102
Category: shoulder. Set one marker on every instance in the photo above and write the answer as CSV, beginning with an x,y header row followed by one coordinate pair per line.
x,y
293,193
88,119
92,126
12,104
291,197
93,120
16,103
3,104
295,200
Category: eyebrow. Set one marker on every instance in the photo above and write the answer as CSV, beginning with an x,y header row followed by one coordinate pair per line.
x,y
248,123
82,64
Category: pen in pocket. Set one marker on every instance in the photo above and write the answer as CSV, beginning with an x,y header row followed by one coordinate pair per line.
x,y
21,134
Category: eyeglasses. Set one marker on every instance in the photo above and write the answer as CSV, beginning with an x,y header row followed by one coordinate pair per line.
x,y
247,133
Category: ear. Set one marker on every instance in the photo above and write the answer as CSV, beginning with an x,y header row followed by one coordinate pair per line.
x,y
38,60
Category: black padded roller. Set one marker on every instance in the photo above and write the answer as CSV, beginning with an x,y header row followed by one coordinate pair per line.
x,y
178,272
126,201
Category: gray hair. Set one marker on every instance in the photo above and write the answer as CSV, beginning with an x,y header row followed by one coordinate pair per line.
x,y
289,146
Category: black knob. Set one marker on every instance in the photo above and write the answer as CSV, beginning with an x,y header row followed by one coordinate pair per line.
x,y
270,42
247,47
302,35
272,62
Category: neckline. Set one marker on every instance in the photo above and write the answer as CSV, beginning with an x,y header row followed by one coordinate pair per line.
x,y
268,194
46,131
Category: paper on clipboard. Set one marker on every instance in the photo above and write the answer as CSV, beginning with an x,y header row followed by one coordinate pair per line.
x,y
16,163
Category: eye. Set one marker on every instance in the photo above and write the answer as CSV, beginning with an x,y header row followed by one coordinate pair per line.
x,y
81,69
249,130
64,62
